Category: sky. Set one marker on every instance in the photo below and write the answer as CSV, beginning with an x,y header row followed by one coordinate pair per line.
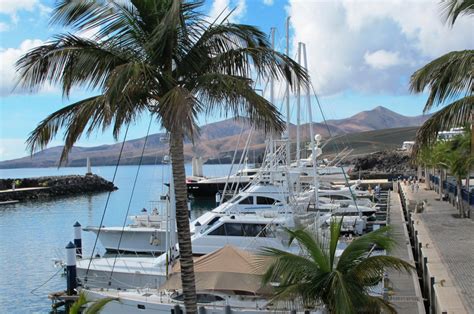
x,y
360,55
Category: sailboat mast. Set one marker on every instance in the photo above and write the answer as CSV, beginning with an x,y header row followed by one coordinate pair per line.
x,y
311,133
287,96
298,113
272,91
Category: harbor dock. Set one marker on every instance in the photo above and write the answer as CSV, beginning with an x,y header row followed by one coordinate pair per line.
x,y
443,248
404,288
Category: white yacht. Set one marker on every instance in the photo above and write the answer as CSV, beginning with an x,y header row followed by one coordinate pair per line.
x,y
245,231
227,281
146,234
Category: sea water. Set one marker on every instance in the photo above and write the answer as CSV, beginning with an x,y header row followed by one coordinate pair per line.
x,y
34,233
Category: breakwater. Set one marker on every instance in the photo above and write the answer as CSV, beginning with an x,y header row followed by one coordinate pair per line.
x,y
52,186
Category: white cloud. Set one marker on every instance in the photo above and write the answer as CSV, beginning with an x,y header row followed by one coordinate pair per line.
x,y
221,8
12,7
4,27
8,58
372,46
268,2
382,59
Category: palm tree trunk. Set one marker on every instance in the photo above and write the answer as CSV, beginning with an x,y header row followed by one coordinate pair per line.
x,y
182,222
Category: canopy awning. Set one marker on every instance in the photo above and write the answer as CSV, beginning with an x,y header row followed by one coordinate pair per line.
x,y
227,269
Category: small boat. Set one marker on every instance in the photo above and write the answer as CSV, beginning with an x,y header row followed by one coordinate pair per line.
x,y
147,234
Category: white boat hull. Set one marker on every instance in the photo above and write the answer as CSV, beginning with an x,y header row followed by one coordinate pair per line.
x,y
139,240
145,302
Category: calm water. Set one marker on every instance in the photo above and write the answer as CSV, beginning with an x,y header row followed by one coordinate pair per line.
x,y
32,234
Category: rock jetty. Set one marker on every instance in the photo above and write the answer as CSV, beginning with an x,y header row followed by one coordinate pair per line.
x,y
54,186
382,165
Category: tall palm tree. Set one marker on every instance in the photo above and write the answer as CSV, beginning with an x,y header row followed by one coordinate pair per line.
x,y
449,78
341,283
158,57
457,160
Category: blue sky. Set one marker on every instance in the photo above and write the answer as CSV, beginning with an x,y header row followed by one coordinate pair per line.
x,y
360,55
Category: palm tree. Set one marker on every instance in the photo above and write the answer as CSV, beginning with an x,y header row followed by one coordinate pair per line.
x,y
457,160
340,283
448,78
158,57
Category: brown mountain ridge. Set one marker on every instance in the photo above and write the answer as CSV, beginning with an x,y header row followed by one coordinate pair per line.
x,y
217,141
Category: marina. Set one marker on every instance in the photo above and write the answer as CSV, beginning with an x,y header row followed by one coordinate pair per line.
x,y
278,208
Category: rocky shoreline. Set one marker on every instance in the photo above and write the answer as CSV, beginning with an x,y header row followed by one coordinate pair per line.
x,y
382,165
53,186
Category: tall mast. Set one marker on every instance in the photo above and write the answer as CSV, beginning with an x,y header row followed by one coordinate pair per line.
x,y
272,86
298,109
313,147
287,96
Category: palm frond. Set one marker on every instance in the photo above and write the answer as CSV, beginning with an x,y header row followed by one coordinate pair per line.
x,y
226,94
88,115
455,8
335,232
456,114
374,267
70,61
178,110
98,305
282,262
313,248
448,77
78,304
359,248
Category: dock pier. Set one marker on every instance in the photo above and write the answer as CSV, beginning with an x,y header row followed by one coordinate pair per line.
x,y
443,249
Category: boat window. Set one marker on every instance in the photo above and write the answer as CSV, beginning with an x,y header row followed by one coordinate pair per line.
x,y
233,229
247,200
339,197
251,173
219,231
243,230
261,200
213,221
252,230
201,298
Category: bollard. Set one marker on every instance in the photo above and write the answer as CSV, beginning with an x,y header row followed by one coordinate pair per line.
x,y
218,199
78,239
201,310
71,273
227,309
432,296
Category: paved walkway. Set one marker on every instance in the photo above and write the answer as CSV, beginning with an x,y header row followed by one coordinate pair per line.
x,y
406,294
454,240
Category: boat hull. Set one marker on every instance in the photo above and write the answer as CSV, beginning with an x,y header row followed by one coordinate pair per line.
x,y
134,240
125,303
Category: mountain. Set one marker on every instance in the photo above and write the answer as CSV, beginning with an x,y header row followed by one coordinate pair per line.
x,y
377,119
217,141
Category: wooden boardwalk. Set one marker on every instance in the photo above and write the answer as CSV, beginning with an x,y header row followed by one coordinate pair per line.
x,y
405,292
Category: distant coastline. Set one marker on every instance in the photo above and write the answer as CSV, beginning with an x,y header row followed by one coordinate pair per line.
x,y
367,131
